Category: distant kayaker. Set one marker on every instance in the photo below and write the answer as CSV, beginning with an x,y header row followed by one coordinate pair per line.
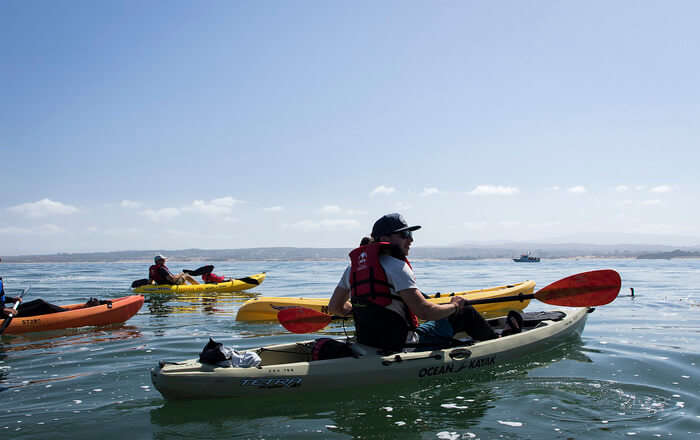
x,y
379,289
160,274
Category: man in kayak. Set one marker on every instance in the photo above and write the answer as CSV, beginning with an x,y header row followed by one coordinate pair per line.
x,y
379,289
160,274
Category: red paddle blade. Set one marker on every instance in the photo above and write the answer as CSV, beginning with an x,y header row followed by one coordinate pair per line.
x,y
302,320
586,289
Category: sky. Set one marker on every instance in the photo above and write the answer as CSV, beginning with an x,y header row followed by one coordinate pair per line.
x,y
130,125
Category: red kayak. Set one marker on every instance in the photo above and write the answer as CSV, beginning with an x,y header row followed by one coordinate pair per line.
x,y
79,315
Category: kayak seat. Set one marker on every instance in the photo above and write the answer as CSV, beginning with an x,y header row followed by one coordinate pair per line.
x,y
141,282
327,348
531,319
379,327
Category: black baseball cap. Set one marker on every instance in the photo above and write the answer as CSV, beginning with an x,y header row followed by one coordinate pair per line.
x,y
389,224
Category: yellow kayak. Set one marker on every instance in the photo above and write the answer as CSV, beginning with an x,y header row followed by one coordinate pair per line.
x,y
235,285
265,308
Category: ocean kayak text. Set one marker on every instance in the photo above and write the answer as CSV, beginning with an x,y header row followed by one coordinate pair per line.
x,y
456,368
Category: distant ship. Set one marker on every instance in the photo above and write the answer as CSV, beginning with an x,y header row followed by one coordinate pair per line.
x,y
526,258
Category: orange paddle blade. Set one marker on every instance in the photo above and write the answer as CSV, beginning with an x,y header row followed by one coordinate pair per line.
x,y
303,320
587,289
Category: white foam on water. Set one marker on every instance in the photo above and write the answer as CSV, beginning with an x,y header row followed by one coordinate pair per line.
x,y
453,406
445,435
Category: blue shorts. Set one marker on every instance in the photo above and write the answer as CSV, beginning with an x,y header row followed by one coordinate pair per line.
x,y
434,334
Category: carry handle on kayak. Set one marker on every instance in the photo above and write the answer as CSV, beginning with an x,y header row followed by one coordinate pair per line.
x,y
586,289
7,320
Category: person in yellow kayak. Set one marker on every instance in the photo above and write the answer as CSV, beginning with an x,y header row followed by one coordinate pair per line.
x,y
160,274
379,289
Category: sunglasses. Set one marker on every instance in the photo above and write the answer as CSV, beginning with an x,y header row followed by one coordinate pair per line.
x,y
405,234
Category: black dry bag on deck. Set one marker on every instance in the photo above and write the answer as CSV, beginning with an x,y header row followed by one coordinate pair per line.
x,y
213,353
327,348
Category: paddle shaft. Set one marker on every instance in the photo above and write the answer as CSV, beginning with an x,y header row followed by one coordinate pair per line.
x,y
519,297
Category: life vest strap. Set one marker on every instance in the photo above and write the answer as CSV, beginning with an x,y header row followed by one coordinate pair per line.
x,y
373,281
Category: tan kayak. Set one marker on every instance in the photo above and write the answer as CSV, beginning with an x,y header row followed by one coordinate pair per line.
x,y
265,308
287,369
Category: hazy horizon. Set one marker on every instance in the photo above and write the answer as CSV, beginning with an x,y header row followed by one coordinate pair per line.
x,y
515,248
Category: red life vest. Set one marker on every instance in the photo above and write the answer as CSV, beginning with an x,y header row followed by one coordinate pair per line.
x,y
156,275
368,279
211,277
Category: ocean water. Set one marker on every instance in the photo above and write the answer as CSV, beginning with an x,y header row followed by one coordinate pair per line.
x,y
633,374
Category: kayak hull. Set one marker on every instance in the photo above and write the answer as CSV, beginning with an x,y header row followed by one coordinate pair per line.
x,y
286,369
120,310
235,285
266,308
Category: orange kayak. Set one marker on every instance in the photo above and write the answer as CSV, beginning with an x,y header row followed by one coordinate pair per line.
x,y
77,315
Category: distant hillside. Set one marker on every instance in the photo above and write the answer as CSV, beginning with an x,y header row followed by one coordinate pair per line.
x,y
466,252
277,253
668,255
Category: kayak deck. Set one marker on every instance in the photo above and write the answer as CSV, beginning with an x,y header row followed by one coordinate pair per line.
x,y
77,315
287,369
266,308
235,285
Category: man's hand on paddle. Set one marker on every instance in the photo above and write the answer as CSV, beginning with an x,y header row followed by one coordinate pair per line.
x,y
7,311
459,301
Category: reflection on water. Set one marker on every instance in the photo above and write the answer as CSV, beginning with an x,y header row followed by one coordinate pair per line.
x,y
49,362
69,337
210,303
39,381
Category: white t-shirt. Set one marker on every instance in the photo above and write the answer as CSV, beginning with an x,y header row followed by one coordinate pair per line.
x,y
398,274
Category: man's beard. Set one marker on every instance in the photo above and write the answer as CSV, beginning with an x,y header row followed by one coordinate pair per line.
x,y
397,252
